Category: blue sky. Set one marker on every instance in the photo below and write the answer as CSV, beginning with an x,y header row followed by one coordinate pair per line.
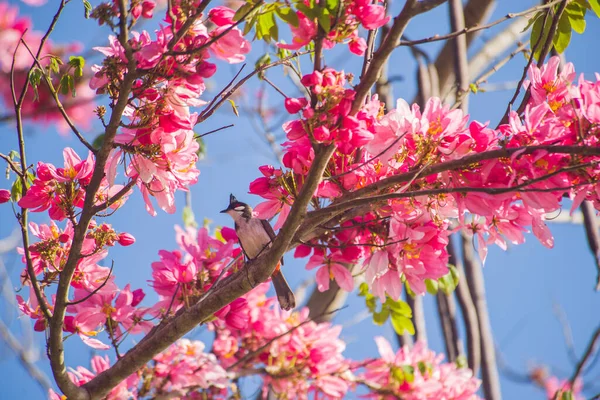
x,y
522,283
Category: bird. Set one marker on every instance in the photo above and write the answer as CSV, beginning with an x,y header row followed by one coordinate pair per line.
x,y
255,235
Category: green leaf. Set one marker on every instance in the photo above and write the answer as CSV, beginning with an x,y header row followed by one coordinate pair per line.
x,y
539,33
423,369
363,289
461,361
568,395
13,154
382,316
332,5
87,8
250,24
371,302
432,286
409,373
448,282
563,34
532,20
35,78
311,13
595,4
55,64
67,84
397,374
97,143
409,291
325,20
577,21
243,10
16,191
399,307
288,15
234,108
77,62
402,324
188,217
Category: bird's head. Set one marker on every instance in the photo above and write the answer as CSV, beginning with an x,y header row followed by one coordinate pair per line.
x,y
237,209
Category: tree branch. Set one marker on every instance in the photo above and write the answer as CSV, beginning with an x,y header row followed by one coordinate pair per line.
x,y
458,31
489,369
592,232
55,343
461,64
469,313
589,351
447,315
411,8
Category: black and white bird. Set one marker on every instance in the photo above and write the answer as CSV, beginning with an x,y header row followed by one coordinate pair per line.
x,y
255,236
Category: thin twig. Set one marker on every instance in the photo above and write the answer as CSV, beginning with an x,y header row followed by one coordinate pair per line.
x,y
463,31
567,333
214,130
72,303
59,104
589,351
281,335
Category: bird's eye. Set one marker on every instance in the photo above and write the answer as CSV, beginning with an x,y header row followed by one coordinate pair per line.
x,y
239,208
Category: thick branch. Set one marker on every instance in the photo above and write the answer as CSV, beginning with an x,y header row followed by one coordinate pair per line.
x,y
592,232
55,342
380,58
447,316
461,64
489,369
416,304
475,12
469,313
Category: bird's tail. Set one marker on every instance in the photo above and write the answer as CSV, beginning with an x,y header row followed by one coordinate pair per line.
x,y
286,298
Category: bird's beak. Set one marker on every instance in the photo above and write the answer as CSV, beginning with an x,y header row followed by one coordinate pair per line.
x,y
225,210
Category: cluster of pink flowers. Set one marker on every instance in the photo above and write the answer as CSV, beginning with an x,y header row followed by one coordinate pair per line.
x,y
183,276
353,14
415,374
98,304
39,104
308,359
158,144
61,191
184,367
406,239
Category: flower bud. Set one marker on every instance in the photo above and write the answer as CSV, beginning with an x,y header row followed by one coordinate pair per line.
x,y
4,196
126,239
293,105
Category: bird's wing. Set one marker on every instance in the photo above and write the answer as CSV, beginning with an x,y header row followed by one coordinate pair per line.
x,y
242,246
269,229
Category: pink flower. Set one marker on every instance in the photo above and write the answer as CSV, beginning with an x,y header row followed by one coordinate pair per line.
x,y
126,239
221,15
431,378
294,105
357,46
4,196
371,16
232,47
301,34
331,268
